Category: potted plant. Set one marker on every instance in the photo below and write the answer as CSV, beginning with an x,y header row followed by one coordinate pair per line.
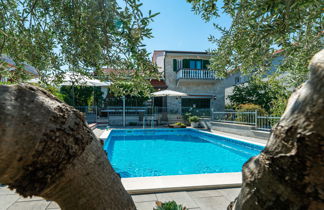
x,y
194,121
170,205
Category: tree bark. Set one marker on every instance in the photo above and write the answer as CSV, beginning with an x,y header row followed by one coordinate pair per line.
x,y
47,150
289,172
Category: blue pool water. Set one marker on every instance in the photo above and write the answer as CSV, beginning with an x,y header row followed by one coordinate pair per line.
x,y
161,152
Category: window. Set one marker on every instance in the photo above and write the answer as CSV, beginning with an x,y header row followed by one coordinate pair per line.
x,y
194,64
196,102
198,64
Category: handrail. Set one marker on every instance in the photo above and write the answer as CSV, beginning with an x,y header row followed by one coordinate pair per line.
x,y
260,122
195,74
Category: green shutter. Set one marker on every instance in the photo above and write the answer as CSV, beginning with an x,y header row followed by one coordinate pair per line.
x,y
205,64
175,65
185,63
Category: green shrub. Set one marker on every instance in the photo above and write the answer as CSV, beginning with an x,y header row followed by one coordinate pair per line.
x,y
186,117
248,118
52,89
250,108
171,205
132,123
279,106
194,119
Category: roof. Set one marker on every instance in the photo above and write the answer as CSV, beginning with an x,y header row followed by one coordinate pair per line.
x,y
164,52
158,84
180,52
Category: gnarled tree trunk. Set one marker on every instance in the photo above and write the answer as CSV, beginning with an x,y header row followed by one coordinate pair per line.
x,y
47,150
289,173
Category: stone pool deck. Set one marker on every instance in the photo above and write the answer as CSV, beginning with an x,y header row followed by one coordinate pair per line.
x,y
199,199
195,200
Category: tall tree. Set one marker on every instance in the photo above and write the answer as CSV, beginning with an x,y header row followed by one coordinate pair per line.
x,y
286,174
82,36
258,29
47,149
258,92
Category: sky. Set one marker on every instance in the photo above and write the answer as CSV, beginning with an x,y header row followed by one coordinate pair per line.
x,y
178,28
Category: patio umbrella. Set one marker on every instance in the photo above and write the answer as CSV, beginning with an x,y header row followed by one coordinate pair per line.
x,y
76,79
168,93
70,79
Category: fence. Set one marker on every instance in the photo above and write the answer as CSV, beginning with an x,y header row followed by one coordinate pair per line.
x,y
246,118
90,113
200,112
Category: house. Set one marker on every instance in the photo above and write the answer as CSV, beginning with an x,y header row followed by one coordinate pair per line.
x,y
187,71
237,78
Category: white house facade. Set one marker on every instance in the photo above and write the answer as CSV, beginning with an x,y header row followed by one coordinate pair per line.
x,y
187,72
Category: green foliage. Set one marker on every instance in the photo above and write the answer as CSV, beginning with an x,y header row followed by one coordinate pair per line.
x,y
171,205
278,106
131,88
250,108
186,117
261,27
82,96
55,91
257,92
194,119
52,89
83,35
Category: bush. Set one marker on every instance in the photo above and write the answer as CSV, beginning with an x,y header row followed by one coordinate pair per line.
x,y
194,119
171,205
250,108
52,89
257,92
186,117
279,106
248,118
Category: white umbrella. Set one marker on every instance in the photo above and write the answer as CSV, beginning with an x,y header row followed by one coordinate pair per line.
x,y
73,79
168,93
70,79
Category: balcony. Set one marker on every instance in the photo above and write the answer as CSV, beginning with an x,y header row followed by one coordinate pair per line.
x,y
194,74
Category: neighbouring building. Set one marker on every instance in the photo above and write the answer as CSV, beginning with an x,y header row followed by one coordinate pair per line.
x,y
238,79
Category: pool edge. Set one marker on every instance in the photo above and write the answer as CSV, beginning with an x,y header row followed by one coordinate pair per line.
x,y
142,185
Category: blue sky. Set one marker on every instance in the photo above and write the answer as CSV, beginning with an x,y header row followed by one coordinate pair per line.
x,y
178,28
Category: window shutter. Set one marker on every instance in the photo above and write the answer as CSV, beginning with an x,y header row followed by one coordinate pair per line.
x,y
205,63
185,63
175,65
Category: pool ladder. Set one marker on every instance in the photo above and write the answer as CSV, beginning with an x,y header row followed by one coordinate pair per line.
x,y
144,121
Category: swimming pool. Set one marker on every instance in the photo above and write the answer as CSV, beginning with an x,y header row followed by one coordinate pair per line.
x,y
162,152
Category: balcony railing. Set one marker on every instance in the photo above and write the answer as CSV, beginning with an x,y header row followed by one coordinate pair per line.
x,y
195,74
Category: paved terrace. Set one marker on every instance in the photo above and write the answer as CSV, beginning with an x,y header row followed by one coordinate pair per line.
x,y
216,199
204,199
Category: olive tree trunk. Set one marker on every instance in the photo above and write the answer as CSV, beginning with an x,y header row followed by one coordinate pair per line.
x,y
47,150
289,172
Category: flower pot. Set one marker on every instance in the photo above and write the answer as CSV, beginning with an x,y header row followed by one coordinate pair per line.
x,y
194,124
